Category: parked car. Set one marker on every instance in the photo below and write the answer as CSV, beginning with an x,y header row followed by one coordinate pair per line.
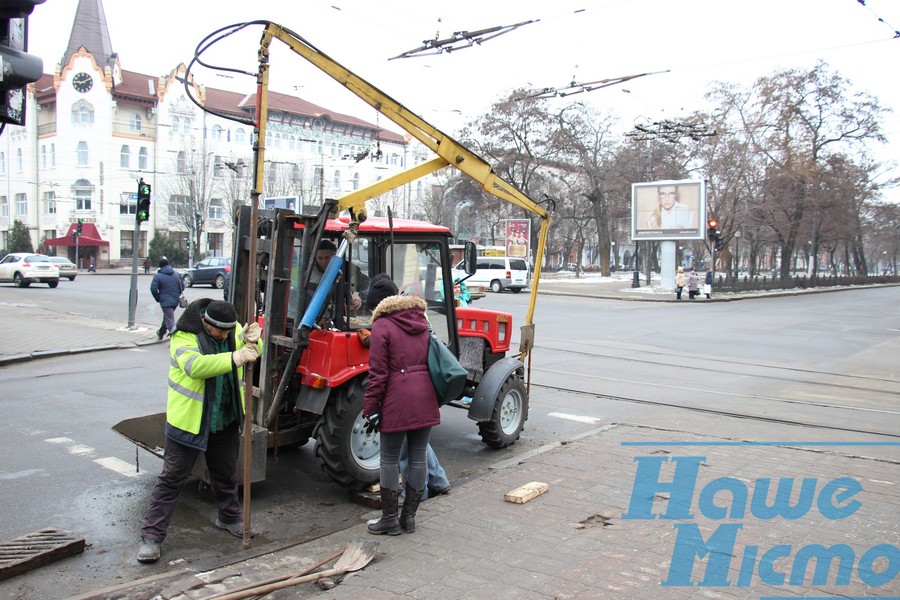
x,y
66,267
496,272
24,268
209,271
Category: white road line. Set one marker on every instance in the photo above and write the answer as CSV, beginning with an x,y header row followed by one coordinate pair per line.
x,y
578,418
71,446
118,465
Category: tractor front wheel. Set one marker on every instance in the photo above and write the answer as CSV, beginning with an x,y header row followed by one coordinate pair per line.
x,y
509,414
349,455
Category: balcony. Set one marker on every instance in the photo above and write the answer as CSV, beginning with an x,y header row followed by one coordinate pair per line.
x,y
47,128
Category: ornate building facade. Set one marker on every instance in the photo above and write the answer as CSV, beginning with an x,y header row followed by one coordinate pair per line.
x,y
93,130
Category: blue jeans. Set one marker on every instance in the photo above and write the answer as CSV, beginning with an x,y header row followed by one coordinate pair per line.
x,y
437,477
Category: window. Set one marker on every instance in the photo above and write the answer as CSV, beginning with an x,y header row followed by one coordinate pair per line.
x,y
82,154
21,205
135,123
216,210
218,167
82,113
334,150
126,242
181,162
19,166
239,135
356,181
142,159
176,124
128,206
50,203
277,140
336,181
43,157
125,157
3,163
295,173
186,126
4,207
216,132
179,206
52,156
83,193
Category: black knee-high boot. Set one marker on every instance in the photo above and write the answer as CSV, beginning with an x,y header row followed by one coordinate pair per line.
x,y
410,506
388,523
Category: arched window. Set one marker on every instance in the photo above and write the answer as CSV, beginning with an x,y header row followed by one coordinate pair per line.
x,y
82,113
135,123
82,154
216,132
125,157
181,162
83,194
239,135
142,159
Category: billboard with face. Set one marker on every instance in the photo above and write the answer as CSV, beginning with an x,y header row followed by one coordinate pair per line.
x,y
668,210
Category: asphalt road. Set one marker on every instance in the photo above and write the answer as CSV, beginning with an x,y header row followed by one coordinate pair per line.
x,y
825,360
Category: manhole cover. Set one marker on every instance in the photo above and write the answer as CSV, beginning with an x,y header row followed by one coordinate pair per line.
x,y
37,549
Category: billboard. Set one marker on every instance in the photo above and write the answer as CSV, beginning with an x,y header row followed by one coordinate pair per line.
x,y
668,210
288,202
518,238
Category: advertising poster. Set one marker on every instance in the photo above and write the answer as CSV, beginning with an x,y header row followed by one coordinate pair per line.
x,y
518,238
668,210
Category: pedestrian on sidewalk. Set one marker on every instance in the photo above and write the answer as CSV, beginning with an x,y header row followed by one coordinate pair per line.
x,y
680,282
204,413
707,286
400,399
693,284
146,266
166,288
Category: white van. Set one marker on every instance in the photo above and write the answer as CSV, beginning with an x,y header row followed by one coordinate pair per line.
x,y
497,273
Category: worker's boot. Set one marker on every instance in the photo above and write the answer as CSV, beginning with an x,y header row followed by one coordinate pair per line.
x,y
388,523
410,506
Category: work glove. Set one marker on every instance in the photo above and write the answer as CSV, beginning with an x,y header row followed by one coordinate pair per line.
x,y
373,422
251,333
363,335
245,354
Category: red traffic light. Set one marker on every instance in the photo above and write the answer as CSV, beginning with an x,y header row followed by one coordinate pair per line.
x,y
712,223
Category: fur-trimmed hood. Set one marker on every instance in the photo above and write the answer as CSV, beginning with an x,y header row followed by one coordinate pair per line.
x,y
407,312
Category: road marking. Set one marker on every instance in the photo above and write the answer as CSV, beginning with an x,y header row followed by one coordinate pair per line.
x,y
21,474
578,418
71,446
118,465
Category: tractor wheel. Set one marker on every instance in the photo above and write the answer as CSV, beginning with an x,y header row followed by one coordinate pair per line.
x,y
349,455
496,286
20,282
508,417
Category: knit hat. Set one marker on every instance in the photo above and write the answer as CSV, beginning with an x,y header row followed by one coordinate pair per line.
x,y
163,262
325,244
221,314
382,286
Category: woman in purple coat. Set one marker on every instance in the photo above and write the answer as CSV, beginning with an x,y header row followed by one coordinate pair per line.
x,y
400,400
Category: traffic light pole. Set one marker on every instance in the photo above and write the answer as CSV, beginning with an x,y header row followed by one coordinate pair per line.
x,y
133,293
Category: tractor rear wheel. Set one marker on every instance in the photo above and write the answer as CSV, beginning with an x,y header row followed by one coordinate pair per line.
x,y
508,418
349,455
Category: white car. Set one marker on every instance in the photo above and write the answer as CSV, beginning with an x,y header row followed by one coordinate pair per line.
x,y
67,268
24,268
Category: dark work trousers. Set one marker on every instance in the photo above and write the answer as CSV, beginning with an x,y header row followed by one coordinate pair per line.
x,y
391,443
221,459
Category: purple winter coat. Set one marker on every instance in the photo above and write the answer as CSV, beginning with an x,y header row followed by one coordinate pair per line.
x,y
399,386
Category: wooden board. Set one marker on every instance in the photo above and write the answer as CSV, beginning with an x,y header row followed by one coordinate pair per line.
x,y
37,549
524,493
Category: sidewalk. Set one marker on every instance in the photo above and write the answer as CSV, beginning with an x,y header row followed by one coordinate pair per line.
x,y
573,542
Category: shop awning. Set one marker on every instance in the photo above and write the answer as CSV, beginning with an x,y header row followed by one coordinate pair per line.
x,y
89,237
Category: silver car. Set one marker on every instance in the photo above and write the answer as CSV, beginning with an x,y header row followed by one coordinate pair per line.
x,y
67,268
24,268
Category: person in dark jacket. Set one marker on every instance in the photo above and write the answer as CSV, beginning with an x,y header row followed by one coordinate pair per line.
x,y
166,288
400,399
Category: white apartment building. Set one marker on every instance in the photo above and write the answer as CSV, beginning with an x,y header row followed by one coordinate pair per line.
x,y
93,130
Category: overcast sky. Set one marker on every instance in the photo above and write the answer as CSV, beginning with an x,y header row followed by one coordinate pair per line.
x,y
697,41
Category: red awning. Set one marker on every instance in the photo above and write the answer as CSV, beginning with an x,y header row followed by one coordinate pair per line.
x,y
89,237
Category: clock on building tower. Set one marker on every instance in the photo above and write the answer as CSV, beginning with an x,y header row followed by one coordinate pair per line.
x,y
82,82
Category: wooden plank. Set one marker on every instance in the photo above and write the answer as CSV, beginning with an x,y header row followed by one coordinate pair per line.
x,y
37,549
524,493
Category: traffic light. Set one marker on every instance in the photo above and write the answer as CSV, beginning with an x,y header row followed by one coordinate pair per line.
x,y
80,224
74,237
712,229
143,207
187,244
17,68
